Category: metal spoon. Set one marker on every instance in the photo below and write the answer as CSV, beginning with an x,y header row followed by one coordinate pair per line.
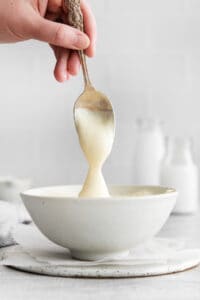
x,y
98,105
90,98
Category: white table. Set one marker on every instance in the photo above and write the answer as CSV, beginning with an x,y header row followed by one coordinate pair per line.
x,y
17,285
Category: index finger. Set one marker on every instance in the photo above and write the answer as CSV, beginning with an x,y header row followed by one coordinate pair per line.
x,y
89,27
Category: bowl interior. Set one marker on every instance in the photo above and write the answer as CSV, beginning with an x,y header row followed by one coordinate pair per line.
x,y
116,191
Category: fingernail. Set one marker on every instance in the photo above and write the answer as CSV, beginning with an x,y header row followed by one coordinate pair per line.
x,y
64,76
68,76
93,51
81,41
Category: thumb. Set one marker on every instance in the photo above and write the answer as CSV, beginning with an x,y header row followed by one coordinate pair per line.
x,y
60,35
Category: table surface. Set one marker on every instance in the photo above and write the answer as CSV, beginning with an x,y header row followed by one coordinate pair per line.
x,y
17,285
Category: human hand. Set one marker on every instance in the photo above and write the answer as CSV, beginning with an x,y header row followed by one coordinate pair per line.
x,y
36,19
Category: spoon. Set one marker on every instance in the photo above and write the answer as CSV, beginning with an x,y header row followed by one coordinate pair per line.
x,y
90,98
93,117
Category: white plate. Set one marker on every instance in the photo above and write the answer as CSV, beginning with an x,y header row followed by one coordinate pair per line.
x,y
114,271
38,255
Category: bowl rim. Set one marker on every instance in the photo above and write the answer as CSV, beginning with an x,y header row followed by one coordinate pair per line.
x,y
34,193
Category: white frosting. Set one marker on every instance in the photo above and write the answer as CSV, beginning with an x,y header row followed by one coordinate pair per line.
x,y
95,130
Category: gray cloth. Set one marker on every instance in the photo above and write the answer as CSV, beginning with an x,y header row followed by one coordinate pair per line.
x,y
8,221
6,241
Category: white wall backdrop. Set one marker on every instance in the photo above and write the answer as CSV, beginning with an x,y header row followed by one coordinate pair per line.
x,y
147,62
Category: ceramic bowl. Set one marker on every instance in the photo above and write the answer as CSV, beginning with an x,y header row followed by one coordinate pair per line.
x,y
95,228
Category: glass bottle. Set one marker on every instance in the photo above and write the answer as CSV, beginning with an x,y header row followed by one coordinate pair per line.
x,y
179,171
149,152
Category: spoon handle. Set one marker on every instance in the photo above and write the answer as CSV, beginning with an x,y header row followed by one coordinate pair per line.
x,y
75,19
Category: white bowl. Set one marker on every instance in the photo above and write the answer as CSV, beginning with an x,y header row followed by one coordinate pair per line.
x,y
99,227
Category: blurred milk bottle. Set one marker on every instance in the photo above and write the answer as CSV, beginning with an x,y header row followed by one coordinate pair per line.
x,y
149,152
179,171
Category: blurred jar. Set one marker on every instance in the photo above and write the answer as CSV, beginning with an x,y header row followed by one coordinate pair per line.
x,y
149,152
179,171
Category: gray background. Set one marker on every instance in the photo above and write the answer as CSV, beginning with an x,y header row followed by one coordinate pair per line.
x,y
147,62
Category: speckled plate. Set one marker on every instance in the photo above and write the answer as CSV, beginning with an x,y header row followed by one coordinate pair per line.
x,y
187,260
36,254
106,271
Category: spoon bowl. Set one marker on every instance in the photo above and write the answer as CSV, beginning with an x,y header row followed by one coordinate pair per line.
x,y
94,100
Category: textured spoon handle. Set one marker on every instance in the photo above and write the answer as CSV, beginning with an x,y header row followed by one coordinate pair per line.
x,y
75,16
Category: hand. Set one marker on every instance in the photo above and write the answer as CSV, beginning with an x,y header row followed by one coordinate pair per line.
x,y
22,20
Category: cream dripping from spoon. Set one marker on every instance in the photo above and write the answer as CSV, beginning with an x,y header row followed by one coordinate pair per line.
x,y
95,130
